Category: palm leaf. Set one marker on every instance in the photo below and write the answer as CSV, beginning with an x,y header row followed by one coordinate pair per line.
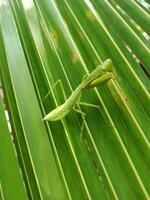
x,y
44,41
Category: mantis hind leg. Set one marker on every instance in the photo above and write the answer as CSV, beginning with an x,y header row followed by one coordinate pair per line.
x,y
55,84
84,114
98,107
88,104
83,121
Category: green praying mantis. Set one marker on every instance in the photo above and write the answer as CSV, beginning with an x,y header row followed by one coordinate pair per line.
x,y
100,75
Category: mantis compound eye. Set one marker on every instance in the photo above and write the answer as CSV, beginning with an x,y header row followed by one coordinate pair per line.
x,y
107,67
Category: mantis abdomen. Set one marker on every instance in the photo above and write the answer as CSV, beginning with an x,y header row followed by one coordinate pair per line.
x,y
61,111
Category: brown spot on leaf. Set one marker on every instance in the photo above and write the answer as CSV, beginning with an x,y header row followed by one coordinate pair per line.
x,y
54,38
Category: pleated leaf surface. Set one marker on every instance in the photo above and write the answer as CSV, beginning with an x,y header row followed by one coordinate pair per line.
x,y
42,41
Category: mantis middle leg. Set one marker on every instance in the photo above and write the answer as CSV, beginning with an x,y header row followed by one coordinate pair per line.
x,y
97,107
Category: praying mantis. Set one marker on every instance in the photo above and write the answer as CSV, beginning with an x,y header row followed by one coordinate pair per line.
x,y
98,76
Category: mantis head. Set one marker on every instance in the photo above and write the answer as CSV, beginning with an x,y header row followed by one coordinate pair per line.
x,y
107,67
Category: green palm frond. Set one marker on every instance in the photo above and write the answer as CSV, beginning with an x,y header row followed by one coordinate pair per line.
x,y
43,41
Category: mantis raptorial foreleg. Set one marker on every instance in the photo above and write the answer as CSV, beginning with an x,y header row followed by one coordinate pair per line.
x,y
100,80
